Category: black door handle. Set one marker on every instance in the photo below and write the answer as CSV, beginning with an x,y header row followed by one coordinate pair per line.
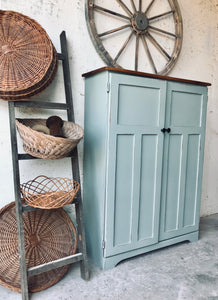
x,y
166,130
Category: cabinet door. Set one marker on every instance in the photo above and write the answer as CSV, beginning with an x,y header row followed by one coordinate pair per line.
x,y
183,159
135,145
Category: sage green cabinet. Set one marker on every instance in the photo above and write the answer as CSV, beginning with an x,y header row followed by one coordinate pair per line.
x,y
143,159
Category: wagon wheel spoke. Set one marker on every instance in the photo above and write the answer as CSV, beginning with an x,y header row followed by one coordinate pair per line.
x,y
110,12
136,52
161,15
163,31
158,46
140,5
133,5
123,47
114,30
149,54
125,7
149,6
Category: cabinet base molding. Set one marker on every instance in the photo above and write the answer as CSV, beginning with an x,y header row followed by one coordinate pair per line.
x,y
112,261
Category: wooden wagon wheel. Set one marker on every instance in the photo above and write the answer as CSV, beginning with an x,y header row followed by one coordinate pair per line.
x,y
153,31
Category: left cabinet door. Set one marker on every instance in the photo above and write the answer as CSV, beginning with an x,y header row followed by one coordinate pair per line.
x,y
134,162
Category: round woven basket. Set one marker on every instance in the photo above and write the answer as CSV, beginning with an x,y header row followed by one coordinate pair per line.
x,y
49,192
28,59
46,146
49,235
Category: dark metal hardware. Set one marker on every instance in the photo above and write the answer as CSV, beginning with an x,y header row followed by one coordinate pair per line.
x,y
166,130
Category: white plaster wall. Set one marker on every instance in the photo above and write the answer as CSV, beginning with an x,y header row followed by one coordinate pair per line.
x,y
198,61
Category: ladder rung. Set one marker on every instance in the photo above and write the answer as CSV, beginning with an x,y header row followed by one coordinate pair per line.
x,y
25,156
54,264
61,56
40,104
27,208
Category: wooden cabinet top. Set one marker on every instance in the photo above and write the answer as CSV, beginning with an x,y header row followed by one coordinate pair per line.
x,y
142,74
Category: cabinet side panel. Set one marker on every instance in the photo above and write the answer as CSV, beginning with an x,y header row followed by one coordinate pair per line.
x,y
95,135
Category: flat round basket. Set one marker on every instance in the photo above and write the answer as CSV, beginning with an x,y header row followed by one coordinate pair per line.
x,y
28,59
49,235
46,146
49,192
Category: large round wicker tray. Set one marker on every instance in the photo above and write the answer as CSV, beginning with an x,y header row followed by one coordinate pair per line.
x,y
49,235
28,59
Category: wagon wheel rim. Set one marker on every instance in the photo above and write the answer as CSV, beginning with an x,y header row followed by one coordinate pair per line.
x,y
142,27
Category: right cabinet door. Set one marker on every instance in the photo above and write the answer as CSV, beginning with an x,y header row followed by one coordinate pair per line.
x,y
183,159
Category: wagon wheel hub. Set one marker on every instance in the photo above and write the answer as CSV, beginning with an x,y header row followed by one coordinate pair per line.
x,y
140,22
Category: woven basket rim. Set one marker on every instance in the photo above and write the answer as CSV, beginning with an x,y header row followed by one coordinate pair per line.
x,y
37,88
30,21
50,137
62,191
39,75
55,138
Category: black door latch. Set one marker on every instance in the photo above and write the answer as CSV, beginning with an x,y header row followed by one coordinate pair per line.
x,y
166,130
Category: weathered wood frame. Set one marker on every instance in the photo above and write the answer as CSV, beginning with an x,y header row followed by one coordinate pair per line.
x,y
81,255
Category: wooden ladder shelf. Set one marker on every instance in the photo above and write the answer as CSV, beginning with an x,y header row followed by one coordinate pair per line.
x,y
81,255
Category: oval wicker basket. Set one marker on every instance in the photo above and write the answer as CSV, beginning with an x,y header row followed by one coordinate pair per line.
x,y
49,235
41,145
28,59
48,192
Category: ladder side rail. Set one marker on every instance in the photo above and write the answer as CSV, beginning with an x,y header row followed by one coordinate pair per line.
x,y
75,160
18,203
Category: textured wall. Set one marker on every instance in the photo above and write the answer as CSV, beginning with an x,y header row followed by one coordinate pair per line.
x,y
198,61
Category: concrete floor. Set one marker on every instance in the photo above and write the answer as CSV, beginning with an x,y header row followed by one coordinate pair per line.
x,y
185,271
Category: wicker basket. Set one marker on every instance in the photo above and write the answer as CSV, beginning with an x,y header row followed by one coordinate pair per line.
x,y
46,146
49,235
28,59
48,193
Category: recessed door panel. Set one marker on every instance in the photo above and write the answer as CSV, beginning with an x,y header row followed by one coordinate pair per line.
x,y
191,180
186,109
123,189
138,105
148,185
172,195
